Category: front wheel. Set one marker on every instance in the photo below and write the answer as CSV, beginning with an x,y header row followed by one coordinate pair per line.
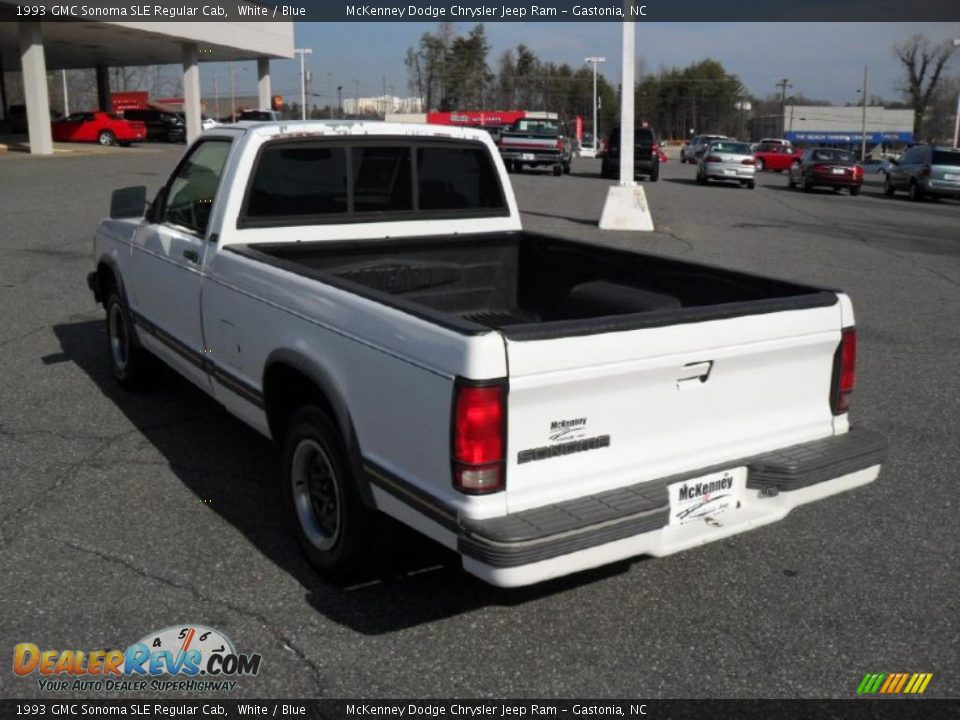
x,y
333,526
129,361
106,137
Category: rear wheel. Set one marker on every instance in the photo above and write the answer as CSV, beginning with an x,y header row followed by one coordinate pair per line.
x,y
759,164
333,526
106,137
855,190
916,193
655,173
807,185
701,177
566,168
888,188
558,170
791,183
751,185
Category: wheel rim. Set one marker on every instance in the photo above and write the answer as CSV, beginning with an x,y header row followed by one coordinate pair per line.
x,y
759,164
316,496
105,138
119,341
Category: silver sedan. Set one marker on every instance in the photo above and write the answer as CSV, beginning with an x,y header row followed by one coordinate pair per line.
x,y
727,160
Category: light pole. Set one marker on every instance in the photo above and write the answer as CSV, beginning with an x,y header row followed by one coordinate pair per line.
x,y
863,120
303,52
594,61
956,123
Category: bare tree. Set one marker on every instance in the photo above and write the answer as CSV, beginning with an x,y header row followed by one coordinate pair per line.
x,y
923,64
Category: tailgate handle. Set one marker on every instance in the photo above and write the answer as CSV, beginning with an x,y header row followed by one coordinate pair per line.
x,y
696,371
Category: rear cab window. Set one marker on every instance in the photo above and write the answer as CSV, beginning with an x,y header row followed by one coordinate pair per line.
x,y
319,181
946,157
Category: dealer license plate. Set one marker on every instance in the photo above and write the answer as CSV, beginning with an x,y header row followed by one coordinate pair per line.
x,y
708,499
838,171
527,156
730,172
950,176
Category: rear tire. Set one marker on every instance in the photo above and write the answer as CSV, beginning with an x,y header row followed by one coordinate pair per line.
x,y
855,191
566,168
701,178
916,194
333,526
791,183
655,173
888,188
106,138
807,185
130,362
557,170
759,165
751,185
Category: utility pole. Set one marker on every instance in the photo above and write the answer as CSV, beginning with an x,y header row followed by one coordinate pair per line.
x,y
594,61
339,101
66,97
783,85
356,97
956,123
233,96
863,120
303,52
216,96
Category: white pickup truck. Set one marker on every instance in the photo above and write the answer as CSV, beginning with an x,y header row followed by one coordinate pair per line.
x,y
364,294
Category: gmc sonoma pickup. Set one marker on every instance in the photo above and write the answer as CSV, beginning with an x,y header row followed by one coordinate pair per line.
x,y
364,295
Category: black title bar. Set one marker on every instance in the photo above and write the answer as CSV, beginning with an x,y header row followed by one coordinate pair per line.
x,y
473,11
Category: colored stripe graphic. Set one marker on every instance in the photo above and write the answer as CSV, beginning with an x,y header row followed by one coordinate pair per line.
x,y
894,683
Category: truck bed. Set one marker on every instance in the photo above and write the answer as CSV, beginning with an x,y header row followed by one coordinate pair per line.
x,y
532,286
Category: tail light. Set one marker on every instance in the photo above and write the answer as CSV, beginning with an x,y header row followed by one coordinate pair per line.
x,y
748,161
925,171
655,150
713,159
819,168
559,144
857,171
844,371
479,438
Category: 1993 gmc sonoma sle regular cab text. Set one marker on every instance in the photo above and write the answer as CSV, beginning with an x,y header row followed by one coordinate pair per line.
x,y
364,294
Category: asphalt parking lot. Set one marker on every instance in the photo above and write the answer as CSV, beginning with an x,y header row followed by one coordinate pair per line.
x,y
122,514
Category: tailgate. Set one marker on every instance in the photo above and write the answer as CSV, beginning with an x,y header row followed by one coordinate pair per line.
x,y
597,412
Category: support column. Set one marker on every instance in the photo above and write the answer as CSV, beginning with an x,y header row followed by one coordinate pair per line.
x,y
263,83
191,91
103,88
34,66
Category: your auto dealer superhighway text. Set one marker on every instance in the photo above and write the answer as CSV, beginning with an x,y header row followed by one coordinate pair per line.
x,y
487,710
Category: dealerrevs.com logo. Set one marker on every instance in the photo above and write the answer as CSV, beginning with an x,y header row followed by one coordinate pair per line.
x,y
195,657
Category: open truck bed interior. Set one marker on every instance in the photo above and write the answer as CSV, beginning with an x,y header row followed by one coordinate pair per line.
x,y
534,287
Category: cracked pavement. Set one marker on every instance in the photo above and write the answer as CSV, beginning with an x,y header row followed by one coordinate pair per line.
x,y
121,514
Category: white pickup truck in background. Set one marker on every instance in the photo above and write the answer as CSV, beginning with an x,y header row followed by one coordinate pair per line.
x,y
364,294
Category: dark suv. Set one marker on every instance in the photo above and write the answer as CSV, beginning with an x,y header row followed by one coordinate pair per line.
x,y
926,170
161,124
646,154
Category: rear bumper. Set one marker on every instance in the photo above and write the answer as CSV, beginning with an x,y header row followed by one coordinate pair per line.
x,y
718,171
539,544
531,156
941,188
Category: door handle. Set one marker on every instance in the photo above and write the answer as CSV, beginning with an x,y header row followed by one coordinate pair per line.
x,y
696,371
191,256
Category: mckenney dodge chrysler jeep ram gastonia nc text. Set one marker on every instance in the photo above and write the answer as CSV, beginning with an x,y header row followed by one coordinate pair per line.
x,y
364,294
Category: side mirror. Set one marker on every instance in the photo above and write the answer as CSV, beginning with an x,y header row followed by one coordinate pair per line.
x,y
128,202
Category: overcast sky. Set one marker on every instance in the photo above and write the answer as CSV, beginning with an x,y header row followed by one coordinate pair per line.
x,y
822,60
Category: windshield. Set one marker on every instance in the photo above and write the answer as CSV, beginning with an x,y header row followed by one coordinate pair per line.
x,y
830,155
539,127
946,157
734,148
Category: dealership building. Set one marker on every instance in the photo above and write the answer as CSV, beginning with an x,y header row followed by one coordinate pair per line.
x,y
37,48
841,126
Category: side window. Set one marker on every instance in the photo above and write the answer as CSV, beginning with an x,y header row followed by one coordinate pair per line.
x,y
298,179
193,188
456,178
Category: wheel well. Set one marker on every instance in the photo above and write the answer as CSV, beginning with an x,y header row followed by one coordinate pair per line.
x,y
284,390
106,280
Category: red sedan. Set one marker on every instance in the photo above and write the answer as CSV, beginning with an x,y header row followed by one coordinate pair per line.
x,y
99,127
776,157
